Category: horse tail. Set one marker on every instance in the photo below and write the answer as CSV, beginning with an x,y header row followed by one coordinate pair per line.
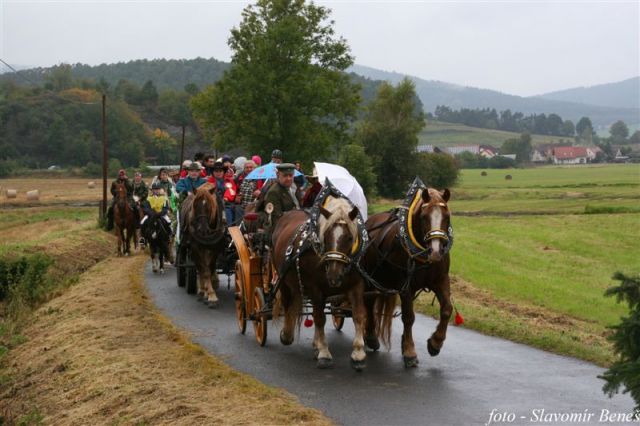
x,y
384,308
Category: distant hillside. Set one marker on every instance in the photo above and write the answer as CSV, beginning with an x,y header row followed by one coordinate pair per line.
x,y
624,93
165,73
433,93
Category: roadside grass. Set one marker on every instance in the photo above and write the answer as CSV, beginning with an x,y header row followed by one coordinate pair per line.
x,y
52,191
102,354
449,134
534,255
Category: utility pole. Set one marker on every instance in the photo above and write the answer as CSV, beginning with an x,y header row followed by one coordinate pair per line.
x,y
105,156
182,150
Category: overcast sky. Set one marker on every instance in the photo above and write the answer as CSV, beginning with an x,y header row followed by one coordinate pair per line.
x,y
522,48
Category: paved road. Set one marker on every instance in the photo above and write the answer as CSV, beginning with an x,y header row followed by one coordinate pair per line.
x,y
473,375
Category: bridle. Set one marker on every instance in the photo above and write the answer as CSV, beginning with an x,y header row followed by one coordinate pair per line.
x,y
436,234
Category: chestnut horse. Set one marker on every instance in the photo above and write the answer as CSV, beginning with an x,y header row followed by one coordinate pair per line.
x,y
203,230
124,221
317,270
405,257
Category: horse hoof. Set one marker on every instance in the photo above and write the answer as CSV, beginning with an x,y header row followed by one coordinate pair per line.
x,y
212,305
358,365
286,340
161,271
324,363
433,351
410,361
201,297
372,343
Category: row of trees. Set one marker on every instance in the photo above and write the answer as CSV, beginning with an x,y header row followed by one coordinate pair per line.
x,y
488,118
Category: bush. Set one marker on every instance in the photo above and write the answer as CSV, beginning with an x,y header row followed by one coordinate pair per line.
x,y
24,277
93,169
7,167
354,159
437,170
625,372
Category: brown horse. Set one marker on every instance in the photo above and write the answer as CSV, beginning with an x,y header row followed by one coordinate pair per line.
x,y
124,221
321,271
404,266
201,220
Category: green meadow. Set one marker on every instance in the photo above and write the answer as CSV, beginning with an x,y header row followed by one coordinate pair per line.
x,y
535,254
449,134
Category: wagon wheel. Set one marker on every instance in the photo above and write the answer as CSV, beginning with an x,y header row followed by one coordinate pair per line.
x,y
241,310
192,276
338,321
260,320
181,272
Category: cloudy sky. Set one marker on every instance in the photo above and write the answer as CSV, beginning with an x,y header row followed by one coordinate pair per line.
x,y
517,47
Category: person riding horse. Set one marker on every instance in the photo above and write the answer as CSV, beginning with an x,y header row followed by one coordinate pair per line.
x,y
140,189
157,203
281,197
122,179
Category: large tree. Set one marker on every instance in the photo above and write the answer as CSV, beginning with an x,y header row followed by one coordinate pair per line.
x,y
521,147
389,134
619,132
286,88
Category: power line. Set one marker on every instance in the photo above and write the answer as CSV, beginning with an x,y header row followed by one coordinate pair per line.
x,y
48,92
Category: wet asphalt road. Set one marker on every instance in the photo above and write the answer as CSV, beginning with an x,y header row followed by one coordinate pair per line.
x,y
473,375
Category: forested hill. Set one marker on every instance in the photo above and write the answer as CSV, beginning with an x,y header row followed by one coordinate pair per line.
x,y
165,73
434,93
624,93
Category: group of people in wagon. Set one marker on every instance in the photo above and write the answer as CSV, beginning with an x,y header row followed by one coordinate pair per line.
x,y
285,192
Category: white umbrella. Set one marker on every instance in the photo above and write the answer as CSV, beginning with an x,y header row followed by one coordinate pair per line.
x,y
347,184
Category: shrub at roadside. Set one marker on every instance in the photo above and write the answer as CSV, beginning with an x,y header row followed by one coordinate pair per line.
x,y
625,372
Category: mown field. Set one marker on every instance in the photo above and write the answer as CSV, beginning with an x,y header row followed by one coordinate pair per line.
x,y
534,255
449,134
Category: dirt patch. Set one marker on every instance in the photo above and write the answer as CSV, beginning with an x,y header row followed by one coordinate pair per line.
x,y
101,353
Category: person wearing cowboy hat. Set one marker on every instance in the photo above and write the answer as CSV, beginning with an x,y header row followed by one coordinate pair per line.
x,y
121,179
188,184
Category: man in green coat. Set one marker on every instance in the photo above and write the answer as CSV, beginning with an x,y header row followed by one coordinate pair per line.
x,y
281,196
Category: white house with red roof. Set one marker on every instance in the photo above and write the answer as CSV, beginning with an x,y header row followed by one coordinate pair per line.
x,y
570,155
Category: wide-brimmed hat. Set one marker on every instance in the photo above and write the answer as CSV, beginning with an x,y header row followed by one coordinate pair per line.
x,y
193,166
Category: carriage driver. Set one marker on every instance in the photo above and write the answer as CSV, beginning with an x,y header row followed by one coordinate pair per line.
x,y
122,179
281,195
188,184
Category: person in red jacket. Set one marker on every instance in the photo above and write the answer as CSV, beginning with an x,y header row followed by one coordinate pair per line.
x,y
230,191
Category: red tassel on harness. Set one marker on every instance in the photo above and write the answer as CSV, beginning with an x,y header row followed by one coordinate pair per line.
x,y
458,319
308,322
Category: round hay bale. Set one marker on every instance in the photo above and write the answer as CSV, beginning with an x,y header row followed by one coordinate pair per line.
x,y
33,195
12,193
91,185
508,177
483,173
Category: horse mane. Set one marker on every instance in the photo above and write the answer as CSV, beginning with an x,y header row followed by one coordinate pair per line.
x,y
204,193
340,209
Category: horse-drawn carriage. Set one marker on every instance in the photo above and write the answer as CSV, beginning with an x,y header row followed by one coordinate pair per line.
x,y
255,288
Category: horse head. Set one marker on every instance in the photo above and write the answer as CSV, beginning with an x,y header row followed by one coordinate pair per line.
x,y
433,217
205,209
339,237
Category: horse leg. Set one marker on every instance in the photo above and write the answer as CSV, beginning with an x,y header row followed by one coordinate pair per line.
x,y
154,260
161,254
371,339
206,277
408,317
359,313
325,360
292,304
443,293
120,236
